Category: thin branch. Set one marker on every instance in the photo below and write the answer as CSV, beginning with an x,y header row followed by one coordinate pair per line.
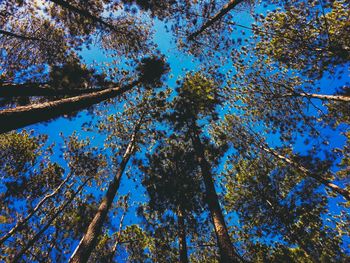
x,y
20,223
226,8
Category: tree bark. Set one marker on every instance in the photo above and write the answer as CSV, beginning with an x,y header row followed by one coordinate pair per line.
x,y
323,97
335,188
292,93
227,8
38,89
228,254
21,223
47,225
15,35
117,240
85,13
20,117
88,242
182,237
339,98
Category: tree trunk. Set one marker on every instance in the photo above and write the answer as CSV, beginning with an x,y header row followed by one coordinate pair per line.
x,y
182,237
86,14
20,117
117,240
335,188
228,254
227,8
47,225
293,93
88,242
38,89
324,97
14,35
21,223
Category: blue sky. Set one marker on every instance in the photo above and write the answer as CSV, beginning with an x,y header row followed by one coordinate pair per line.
x,y
180,64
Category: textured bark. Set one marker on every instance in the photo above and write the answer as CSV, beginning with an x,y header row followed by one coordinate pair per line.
x,y
15,35
88,242
20,117
182,238
228,254
47,225
38,89
335,188
227,8
22,222
85,13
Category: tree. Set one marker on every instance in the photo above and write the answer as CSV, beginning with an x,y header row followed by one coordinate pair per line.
x,y
172,182
222,12
271,205
123,33
88,242
34,40
83,251
320,45
71,78
48,192
243,155
150,72
249,143
35,43
198,97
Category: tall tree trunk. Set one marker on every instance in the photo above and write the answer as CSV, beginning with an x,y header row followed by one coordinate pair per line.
x,y
15,35
38,89
340,98
227,8
85,13
88,242
22,222
20,117
182,237
293,93
271,95
335,188
228,254
47,225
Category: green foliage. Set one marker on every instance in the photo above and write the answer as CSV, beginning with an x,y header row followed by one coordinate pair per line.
x,y
284,216
18,153
72,75
344,164
83,160
152,70
246,141
338,112
136,242
308,37
171,179
197,98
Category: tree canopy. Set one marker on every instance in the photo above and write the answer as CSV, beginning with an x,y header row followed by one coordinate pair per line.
x,y
175,131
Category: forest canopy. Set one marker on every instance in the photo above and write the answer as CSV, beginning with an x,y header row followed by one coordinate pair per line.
x,y
175,131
